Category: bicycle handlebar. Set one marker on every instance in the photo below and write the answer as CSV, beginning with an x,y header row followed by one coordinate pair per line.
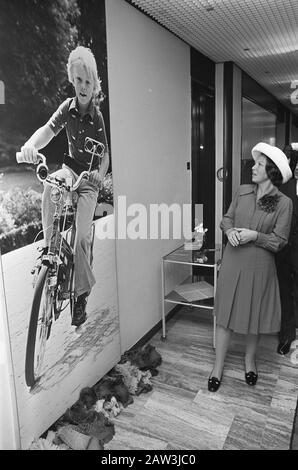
x,y
91,146
54,181
42,170
20,158
42,173
83,175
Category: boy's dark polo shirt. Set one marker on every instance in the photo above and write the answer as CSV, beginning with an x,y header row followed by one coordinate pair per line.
x,y
78,128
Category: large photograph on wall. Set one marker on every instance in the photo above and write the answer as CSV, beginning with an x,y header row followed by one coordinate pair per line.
x,y
56,195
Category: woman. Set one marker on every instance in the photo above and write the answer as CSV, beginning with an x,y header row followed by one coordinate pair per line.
x,y
287,263
257,225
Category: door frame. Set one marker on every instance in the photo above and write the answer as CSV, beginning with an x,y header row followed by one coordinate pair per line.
x,y
228,132
203,147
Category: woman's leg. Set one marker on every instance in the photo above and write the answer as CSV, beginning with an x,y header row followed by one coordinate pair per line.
x,y
223,336
250,353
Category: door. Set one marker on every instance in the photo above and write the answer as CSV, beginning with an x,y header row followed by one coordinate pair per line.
x,y
203,157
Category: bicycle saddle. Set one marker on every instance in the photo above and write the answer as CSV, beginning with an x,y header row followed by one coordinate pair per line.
x,y
60,179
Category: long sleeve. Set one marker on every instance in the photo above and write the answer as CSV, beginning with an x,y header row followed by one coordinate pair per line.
x,y
278,238
228,220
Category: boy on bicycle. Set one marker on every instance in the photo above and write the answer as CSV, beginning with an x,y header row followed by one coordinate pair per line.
x,y
81,118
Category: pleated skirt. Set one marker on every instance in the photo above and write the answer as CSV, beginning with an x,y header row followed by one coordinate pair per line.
x,y
247,297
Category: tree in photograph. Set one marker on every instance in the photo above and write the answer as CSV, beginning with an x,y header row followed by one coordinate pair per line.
x,y
92,34
35,40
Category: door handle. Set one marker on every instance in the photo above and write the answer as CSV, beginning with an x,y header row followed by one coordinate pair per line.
x,y
222,174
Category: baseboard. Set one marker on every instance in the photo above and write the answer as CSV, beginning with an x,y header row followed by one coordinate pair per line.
x,y
155,329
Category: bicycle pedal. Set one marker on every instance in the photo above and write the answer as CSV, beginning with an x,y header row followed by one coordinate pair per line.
x,y
36,268
52,281
63,295
35,273
47,259
33,270
56,315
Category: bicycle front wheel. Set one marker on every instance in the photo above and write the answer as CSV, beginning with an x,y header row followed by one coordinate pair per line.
x,y
39,327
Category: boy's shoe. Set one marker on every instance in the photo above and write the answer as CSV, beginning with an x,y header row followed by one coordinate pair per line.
x,y
284,347
79,314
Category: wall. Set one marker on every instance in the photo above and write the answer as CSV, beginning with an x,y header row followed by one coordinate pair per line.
x,y
73,359
9,429
150,111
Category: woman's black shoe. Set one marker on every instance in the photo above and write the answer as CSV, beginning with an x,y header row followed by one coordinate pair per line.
x,y
213,384
251,378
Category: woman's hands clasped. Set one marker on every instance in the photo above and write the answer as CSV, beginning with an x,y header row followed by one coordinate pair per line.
x,y
233,236
241,236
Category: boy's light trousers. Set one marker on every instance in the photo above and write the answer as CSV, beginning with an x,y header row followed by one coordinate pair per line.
x,y
87,197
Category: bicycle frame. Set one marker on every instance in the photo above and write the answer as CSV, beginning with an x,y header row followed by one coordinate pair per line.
x,y
61,251
65,253
54,284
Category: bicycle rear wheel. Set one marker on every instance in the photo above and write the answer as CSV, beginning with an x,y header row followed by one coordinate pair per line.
x,y
39,327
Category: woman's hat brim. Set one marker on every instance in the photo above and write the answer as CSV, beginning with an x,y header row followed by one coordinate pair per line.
x,y
276,155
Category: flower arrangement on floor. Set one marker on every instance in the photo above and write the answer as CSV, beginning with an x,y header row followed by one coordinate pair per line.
x,y
90,422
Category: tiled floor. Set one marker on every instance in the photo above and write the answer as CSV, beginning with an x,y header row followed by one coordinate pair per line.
x,y
180,413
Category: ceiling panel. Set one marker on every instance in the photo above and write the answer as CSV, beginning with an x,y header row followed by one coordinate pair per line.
x,y
260,36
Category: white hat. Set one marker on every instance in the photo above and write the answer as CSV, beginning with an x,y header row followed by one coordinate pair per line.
x,y
277,156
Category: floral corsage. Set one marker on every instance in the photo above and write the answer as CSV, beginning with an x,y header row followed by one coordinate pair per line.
x,y
268,203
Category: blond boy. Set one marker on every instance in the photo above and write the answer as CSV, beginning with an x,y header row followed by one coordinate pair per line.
x,y
81,118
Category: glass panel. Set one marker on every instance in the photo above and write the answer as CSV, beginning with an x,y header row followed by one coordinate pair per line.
x,y
180,255
195,290
294,131
258,125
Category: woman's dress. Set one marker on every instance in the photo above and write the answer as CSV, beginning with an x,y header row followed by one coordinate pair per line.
x,y
247,297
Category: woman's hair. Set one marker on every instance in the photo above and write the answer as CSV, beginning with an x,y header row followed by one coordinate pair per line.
x,y
273,172
292,155
84,56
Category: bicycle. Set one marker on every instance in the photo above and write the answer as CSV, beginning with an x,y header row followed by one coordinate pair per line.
x,y
54,288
